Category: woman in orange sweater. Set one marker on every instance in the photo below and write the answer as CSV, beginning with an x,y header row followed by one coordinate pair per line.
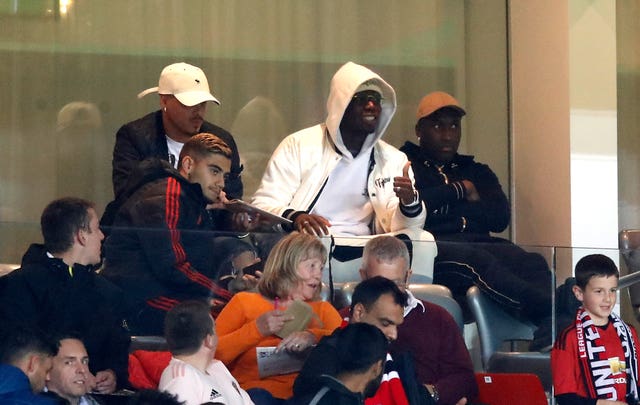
x,y
293,272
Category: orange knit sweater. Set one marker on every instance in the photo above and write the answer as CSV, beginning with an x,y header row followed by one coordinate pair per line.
x,y
239,337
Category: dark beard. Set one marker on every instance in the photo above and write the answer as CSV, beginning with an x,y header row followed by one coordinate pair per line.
x,y
372,386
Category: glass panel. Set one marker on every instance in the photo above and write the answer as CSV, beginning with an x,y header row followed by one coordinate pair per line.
x,y
72,71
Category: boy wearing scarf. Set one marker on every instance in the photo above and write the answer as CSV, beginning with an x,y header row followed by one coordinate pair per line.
x,y
594,361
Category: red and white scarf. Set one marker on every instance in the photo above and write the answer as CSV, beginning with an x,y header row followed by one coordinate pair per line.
x,y
598,369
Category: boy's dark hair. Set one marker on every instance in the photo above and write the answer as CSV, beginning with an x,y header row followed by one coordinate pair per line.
x,y
154,397
359,346
594,266
367,292
186,326
203,144
60,221
18,341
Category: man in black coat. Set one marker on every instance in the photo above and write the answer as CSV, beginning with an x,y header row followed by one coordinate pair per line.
x,y
184,94
465,202
57,290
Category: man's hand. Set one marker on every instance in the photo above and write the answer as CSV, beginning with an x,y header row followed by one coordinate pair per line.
x,y
403,186
471,192
312,224
105,382
244,222
219,203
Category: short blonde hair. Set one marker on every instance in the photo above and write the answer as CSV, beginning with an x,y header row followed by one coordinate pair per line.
x,y
280,277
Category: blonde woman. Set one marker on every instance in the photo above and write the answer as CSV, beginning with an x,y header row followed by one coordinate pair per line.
x,y
292,272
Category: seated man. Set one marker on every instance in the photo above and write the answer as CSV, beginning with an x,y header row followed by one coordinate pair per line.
x,y
25,360
466,203
361,350
339,176
379,302
158,251
70,378
193,375
57,290
428,333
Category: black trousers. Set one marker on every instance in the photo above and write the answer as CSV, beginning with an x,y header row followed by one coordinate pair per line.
x,y
518,280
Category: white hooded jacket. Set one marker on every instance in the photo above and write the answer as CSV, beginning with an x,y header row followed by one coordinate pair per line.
x,y
301,164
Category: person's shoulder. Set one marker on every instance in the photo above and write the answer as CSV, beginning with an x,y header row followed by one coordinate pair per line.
x,y
217,130
143,121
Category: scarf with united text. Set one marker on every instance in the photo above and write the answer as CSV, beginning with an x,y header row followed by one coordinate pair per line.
x,y
600,372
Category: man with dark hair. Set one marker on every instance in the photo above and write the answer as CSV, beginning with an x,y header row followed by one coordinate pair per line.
x,y
443,365
379,302
193,375
361,350
69,378
184,93
57,290
25,360
158,251
153,397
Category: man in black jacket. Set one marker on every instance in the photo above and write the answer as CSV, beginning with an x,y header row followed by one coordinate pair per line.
x,y
465,202
184,93
57,290
160,250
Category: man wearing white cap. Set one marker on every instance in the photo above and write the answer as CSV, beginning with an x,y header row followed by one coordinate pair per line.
x,y
184,93
339,177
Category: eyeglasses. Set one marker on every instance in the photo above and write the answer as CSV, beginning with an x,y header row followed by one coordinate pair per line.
x,y
364,99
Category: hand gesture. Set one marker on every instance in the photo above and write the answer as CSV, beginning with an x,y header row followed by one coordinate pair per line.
x,y
403,186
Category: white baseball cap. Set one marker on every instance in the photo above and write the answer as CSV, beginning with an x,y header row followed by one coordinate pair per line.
x,y
186,82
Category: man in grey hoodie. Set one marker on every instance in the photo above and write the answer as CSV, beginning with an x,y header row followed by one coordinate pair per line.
x,y
339,177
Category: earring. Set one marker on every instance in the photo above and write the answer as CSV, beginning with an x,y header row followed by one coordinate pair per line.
x,y
164,109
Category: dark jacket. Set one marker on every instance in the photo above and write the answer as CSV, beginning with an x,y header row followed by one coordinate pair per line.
x,y
441,189
160,248
324,361
330,391
43,293
146,138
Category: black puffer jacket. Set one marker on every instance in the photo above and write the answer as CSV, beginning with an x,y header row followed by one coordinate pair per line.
x,y
441,189
43,293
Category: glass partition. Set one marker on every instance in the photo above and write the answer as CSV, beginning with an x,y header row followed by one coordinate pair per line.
x,y
72,71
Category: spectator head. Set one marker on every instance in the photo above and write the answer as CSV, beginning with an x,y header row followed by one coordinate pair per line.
x,y
294,268
154,397
29,350
388,257
438,127
379,302
188,326
71,225
184,93
362,349
70,377
595,265
206,159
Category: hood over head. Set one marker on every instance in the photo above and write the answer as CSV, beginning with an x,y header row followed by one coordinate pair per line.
x,y
346,82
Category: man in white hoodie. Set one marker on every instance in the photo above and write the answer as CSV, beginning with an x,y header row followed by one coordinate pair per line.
x,y
339,177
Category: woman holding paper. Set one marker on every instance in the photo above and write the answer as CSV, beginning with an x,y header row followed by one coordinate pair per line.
x,y
286,313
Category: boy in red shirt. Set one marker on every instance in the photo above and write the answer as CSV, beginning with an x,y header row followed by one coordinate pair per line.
x,y
594,361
